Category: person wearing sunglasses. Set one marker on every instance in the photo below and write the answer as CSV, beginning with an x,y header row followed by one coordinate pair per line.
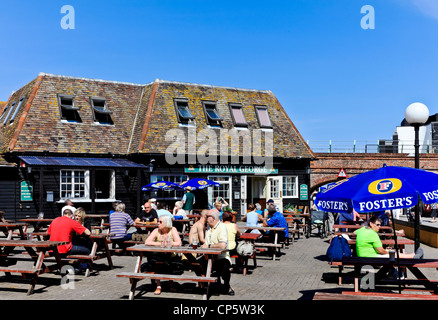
x,y
368,243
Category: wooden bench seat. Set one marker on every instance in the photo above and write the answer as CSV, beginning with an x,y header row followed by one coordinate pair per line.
x,y
370,296
134,277
245,259
385,263
16,269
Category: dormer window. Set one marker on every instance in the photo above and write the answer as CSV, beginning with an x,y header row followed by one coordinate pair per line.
x,y
16,110
263,117
7,113
238,116
68,110
182,111
211,114
101,112
4,113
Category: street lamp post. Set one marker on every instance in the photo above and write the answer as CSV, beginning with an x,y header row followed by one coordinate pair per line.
x,y
416,115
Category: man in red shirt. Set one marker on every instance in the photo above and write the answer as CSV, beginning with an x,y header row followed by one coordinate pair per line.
x,y
63,228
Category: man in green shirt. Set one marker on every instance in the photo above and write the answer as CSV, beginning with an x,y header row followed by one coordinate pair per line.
x,y
368,243
188,200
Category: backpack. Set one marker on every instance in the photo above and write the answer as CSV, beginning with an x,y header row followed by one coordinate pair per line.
x,y
338,249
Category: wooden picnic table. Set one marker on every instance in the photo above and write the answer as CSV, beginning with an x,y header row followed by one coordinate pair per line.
x,y
37,251
37,223
101,217
299,216
356,226
188,251
275,244
385,264
8,229
99,241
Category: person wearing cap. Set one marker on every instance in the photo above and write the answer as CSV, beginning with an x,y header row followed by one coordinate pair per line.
x,y
188,200
153,202
268,203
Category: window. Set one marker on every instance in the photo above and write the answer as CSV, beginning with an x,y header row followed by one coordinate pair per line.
x,y
211,113
290,186
5,111
238,116
74,184
263,117
5,119
101,112
182,111
68,110
175,194
104,184
16,110
223,191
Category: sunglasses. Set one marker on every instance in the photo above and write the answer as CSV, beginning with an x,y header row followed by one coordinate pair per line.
x,y
378,224
159,221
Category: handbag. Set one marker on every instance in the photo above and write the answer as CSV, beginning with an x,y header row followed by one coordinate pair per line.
x,y
245,248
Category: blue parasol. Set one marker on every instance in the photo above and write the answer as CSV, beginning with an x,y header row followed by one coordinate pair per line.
x,y
161,185
387,188
198,183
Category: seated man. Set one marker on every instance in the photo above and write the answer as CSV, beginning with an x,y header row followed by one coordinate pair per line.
x,y
148,215
277,220
368,243
197,231
217,237
63,229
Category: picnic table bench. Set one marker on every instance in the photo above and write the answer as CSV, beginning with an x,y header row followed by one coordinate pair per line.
x,y
275,245
385,264
37,252
188,251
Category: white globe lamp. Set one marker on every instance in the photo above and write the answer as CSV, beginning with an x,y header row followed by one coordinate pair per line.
x,y
416,113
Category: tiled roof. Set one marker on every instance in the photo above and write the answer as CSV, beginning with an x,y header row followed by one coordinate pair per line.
x,y
142,115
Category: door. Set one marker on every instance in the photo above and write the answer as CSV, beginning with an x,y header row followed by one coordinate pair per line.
x,y
274,190
243,195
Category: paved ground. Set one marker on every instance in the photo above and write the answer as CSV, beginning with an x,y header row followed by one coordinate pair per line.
x,y
298,273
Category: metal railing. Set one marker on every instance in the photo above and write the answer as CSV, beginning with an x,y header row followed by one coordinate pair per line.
x,y
364,146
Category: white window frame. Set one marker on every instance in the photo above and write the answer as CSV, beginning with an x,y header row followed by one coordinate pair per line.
x,y
86,197
285,189
211,190
72,184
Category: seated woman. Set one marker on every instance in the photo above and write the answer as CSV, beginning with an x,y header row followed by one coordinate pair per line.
x,y
118,222
368,243
252,218
78,239
165,233
178,210
233,231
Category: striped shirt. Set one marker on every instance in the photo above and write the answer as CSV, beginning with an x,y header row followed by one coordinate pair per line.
x,y
118,223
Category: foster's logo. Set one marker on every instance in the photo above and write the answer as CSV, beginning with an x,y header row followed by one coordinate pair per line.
x,y
384,186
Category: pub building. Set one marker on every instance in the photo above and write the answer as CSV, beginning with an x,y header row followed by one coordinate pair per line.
x,y
96,141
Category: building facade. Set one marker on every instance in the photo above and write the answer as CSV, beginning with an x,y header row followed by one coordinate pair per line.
x,y
97,141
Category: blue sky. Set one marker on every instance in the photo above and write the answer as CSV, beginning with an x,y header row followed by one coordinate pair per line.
x,y
335,80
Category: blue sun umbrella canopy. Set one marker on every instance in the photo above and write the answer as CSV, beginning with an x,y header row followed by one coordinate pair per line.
x,y
382,189
198,183
161,185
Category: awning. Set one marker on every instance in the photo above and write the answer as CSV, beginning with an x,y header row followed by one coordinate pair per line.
x,y
80,162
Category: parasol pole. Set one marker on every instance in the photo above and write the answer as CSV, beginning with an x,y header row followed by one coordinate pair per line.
x,y
397,253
